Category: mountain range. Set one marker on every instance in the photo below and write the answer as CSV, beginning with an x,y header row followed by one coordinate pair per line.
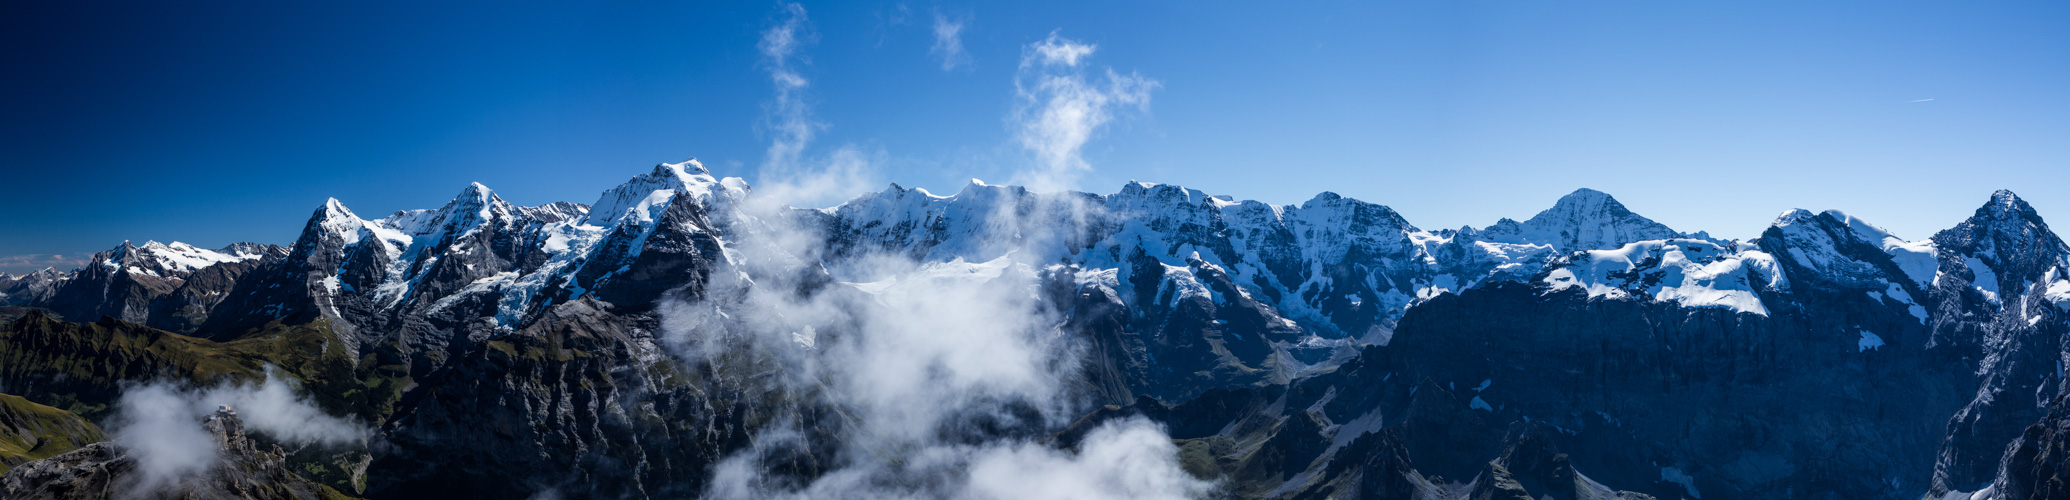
x,y
682,337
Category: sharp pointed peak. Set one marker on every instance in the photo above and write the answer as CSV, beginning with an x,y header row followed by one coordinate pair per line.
x,y
2005,197
332,209
2005,205
687,177
476,192
2004,200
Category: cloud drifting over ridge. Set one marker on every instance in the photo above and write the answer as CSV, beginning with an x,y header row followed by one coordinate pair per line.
x,y
928,363
908,378
1058,108
159,425
947,377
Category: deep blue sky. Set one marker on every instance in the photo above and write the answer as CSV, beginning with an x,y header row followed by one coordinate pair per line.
x,y
214,122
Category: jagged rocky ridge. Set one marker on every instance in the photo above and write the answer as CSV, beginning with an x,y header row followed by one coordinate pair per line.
x,y
1311,350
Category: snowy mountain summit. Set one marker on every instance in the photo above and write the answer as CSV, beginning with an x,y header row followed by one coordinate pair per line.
x,y
1586,219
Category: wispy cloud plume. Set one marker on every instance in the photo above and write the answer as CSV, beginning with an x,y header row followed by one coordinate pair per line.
x,y
948,42
1059,108
789,118
788,174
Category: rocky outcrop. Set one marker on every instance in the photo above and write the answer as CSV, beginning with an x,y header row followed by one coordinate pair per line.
x,y
584,404
2037,465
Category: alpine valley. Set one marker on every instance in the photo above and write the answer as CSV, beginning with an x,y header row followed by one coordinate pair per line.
x,y
682,337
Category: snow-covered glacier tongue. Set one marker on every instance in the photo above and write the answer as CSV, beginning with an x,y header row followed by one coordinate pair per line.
x,y
682,336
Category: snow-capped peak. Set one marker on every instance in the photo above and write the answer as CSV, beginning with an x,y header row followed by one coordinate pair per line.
x,y
334,208
2005,245
1586,219
339,222
641,197
2004,200
161,259
475,206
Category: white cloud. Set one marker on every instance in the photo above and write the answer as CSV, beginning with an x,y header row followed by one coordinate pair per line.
x,y
948,42
1059,51
1125,459
159,425
1059,108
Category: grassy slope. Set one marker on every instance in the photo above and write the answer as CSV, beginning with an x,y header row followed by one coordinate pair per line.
x,y
83,367
29,431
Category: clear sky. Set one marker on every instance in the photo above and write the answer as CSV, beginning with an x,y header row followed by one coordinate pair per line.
x,y
215,122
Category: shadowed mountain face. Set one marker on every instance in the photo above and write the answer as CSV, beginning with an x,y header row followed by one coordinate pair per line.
x,y
681,337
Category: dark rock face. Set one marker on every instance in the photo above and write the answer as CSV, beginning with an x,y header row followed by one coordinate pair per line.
x,y
1533,468
103,470
564,406
2037,465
